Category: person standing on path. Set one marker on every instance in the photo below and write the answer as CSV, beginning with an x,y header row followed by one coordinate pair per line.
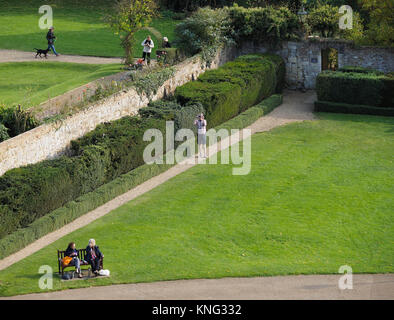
x,y
51,40
148,45
201,125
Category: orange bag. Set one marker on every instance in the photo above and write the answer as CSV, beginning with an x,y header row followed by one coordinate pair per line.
x,y
66,261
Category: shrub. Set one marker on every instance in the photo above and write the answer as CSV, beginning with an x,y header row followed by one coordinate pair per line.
x,y
323,20
3,133
357,69
204,29
266,24
327,106
355,88
183,116
17,120
221,101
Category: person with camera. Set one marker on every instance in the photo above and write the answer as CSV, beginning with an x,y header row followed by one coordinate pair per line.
x,y
148,45
201,125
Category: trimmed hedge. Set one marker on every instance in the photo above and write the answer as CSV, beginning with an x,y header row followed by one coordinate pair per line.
x,y
327,106
357,69
90,201
30,192
221,101
355,88
235,86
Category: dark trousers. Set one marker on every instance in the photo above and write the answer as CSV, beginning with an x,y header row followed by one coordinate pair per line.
x,y
95,264
146,54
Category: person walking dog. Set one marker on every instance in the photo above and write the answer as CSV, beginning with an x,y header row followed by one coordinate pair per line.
x,y
51,40
148,45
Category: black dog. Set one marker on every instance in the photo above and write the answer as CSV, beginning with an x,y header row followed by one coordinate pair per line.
x,y
41,51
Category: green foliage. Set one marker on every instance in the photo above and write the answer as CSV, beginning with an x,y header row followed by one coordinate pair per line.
x,y
203,31
323,20
221,101
3,133
263,24
380,29
357,69
235,86
17,120
339,107
127,17
355,88
149,83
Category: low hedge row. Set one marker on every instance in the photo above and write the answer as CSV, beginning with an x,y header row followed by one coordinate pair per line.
x,y
327,106
355,88
236,86
90,201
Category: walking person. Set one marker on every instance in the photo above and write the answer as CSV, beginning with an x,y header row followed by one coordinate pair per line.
x,y
148,45
201,125
51,40
94,256
72,253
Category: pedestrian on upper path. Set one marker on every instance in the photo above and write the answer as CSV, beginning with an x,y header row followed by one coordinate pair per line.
x,y
148,45
51,40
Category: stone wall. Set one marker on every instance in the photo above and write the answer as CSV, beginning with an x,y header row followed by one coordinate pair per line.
x,y
51,140
304,59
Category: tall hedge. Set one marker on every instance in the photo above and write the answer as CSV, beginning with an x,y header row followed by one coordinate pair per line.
x,y
355,88
235,86
30,192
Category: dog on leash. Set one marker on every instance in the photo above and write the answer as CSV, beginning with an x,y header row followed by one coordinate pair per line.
x,y
42,51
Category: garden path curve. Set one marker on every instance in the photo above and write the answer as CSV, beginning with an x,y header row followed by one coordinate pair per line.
x,y
297,106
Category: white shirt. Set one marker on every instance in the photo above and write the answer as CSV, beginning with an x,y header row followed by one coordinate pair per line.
x,y
148,48
203,129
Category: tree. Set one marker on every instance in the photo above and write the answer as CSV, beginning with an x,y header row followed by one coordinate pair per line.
x,y
381,21
127,18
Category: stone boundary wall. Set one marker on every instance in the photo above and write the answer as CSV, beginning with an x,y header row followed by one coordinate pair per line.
x,y
53,139
304,59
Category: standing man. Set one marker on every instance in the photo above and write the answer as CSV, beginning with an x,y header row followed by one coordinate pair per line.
x,y
148,45
51,40
201,125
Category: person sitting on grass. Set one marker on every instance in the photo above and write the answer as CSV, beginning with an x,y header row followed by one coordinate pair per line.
x,y
93,256
148,45
71,252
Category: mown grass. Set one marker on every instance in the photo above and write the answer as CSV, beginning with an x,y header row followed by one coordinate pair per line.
x,y
319,195
79,28
30,83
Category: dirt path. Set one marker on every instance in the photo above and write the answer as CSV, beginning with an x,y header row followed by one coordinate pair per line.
x,y
296,106
18,56
365,286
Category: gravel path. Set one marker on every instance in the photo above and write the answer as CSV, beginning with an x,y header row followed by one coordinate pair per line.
x,y
296,106
18,56
311,287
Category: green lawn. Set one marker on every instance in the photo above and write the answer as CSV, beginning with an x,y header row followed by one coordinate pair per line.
x,y
319,195
30,83
78,27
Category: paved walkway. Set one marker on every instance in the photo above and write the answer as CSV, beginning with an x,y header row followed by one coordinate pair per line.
x,y
18,56
366,286
296,106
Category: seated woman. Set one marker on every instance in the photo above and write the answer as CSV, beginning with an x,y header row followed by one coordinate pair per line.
x,y
73,253
93,256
